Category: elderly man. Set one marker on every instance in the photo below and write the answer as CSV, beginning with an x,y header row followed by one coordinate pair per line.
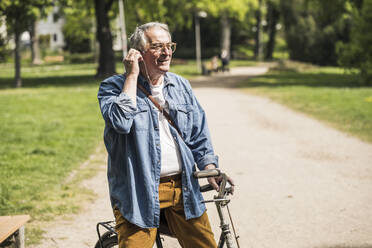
x,y
150,161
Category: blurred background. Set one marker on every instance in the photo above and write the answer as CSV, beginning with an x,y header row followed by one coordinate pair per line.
x,y
334,32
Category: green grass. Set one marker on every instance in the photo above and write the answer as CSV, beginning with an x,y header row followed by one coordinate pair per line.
x,y
44,134
57,75
328,94
185,68
48,128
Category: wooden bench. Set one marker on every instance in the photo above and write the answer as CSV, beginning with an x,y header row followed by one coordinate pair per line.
x,y
13,225
56,58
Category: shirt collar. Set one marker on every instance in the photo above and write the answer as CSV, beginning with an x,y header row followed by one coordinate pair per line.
x,y
167,81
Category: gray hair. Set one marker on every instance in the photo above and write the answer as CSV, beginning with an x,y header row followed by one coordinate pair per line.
x,y
138,39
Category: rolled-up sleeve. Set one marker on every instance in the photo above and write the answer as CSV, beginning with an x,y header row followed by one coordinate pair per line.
x,y
117,108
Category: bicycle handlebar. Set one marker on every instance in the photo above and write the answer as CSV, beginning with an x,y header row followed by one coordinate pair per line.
x,y
225,187
207,173
206,188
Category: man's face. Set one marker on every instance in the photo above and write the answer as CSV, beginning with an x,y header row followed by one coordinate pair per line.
x,y
156,56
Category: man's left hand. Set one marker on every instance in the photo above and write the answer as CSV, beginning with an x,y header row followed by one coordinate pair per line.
x,y
215,181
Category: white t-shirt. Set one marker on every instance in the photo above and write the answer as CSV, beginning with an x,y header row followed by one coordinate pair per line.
x,y
170,155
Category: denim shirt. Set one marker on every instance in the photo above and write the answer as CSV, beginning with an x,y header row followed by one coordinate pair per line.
x,y
132,141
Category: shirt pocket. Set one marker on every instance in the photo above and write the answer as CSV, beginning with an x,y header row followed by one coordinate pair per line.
x,y
184,117
141,118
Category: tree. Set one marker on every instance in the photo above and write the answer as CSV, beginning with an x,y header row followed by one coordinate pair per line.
x,y
19,14
358,52
273,15
37,14
227,10
106,60
258,34
35,45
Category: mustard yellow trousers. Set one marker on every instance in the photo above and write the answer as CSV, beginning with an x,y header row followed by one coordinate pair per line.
x,y
193,233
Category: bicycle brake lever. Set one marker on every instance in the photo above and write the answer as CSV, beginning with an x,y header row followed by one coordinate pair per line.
x,y
228,188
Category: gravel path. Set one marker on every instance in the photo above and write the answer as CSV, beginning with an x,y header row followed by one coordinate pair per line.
x,y
299,182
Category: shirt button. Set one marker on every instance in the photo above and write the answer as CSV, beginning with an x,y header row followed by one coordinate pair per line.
x,y
185,188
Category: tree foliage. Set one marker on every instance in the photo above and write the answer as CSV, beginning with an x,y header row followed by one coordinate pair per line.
x,y
20,14
227,11
77,30
312,28
181,19
236,9
166,11
358,52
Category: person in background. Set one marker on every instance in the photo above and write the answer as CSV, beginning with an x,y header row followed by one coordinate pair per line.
x,y
214,64
225,60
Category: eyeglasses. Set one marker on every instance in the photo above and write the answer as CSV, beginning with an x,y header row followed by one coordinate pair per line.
x,y
157,47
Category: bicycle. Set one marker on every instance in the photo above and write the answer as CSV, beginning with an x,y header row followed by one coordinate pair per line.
x,y
109,238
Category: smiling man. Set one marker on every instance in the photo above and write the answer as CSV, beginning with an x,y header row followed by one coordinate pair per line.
x,y
150,161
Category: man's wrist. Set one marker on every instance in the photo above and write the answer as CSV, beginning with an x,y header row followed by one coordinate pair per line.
x,y
132,75
210,167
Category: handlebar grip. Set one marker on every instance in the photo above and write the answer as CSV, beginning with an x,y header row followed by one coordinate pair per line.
x,y
207,173
206,188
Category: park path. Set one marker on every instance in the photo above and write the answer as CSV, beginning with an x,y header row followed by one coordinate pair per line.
x,y
299,182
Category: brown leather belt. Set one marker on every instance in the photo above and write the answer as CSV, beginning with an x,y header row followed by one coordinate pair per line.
x,y
170,178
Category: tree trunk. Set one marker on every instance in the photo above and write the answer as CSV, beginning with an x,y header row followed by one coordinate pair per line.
x,y
106,61
17,60
289,20
273,18
226,34
258,38
35,45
